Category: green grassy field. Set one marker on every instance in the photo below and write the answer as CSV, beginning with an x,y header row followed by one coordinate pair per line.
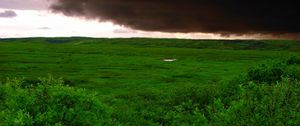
x,y
130,73
114,66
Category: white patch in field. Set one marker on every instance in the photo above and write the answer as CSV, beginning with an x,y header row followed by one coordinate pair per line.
x,y
169,60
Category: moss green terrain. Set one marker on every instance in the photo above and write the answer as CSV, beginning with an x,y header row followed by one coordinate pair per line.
x,y
120,65
130,75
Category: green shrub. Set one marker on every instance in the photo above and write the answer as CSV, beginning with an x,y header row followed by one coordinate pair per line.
x,y
293,72
260,104
50,103
2,93
185,117
250,99
269,72
292,60
268,94
272,71
196,96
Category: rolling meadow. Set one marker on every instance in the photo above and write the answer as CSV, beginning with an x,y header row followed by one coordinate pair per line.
x,y
95,81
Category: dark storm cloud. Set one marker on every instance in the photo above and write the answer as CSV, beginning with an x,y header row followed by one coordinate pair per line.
x,y
210,16
8,14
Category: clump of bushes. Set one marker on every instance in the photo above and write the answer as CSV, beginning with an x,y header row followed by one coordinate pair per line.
x,y
259,104
274,70
49,102
267,94
292,60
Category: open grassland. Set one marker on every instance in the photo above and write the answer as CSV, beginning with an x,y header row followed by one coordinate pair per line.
x,y
131,77
115,66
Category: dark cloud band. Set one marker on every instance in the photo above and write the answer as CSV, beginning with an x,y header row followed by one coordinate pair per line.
x,y
210,16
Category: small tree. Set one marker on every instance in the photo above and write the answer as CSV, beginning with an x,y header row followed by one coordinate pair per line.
x,y
49,103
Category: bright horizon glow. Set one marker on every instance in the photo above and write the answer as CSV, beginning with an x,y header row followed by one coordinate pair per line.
x,y
33,18
44,23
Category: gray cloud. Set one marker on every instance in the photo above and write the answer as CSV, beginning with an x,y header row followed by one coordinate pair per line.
x,y
8,14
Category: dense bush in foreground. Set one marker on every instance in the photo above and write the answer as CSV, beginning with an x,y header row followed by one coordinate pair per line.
x,y
274,70
49,103
260,105
253,98
268,94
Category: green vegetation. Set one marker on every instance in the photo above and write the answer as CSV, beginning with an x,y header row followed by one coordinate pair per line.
x,y
49,103
211,83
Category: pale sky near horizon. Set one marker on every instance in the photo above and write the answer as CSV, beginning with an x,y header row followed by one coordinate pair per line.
x,y
31,18
44,23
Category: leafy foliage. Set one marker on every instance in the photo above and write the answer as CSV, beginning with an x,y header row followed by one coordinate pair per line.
x,y
273,70
137,88
49,103
260,104
241,101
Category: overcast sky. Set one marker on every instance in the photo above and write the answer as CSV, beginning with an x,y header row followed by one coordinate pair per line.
x,y
34,18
